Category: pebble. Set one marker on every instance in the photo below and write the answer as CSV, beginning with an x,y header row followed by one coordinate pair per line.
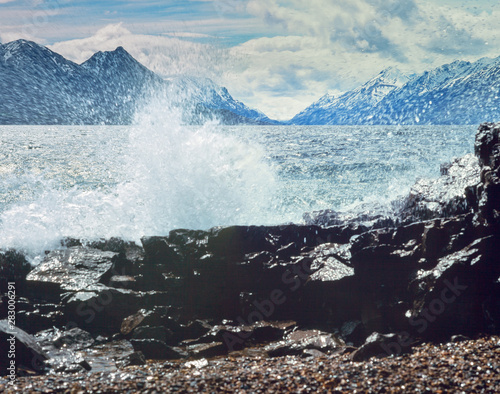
x,y
466,366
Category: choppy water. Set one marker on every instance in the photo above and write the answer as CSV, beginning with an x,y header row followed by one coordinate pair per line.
x,y
97,181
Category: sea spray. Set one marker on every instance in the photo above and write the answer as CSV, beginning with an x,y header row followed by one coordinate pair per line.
x,y
171,176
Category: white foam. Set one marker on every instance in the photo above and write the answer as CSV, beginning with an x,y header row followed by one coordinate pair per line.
x,y
175,176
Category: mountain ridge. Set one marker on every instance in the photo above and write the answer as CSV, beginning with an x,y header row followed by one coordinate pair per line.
x,y
39,86
460,92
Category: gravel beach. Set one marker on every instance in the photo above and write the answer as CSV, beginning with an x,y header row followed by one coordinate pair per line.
x,y
467,366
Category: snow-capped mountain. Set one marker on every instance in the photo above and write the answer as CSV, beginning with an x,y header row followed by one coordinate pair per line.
x,y
457,93
339,110
39,86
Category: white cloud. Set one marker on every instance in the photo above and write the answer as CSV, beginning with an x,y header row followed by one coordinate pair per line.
x,y
330,46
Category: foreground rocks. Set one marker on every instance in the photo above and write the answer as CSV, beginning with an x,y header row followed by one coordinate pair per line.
x,y
381,286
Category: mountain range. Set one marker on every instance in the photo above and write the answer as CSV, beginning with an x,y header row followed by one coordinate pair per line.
x,y
39,86
457,93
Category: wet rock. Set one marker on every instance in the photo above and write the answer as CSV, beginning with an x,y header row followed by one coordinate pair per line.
x,y
40,317
157,322
459,338
28,353
153,332
74,339
123,282
362,218
383,345
135,358
296,342
13,268
72,269
62,348
444,196
207,350
108,356
157,350
451,297
101,309
487,194
313,353
242,336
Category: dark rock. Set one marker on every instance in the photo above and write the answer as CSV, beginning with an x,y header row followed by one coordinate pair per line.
x,y
28,353
135,358
72,269
157,350
196,329
459,338
74,339
122,282
101,310
13,268
296,342
240,337
313,353
156,332
207,350
62,349
450,298
353,332
383,345
486,195
36,320
157,317
362,218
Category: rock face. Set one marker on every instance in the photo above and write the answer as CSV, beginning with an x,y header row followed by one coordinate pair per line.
x,y
310,290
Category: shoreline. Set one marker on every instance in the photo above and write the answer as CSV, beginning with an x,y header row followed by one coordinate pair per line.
x,y
349,292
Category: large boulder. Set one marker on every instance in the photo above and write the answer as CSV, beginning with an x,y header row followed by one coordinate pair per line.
x,y
71,269
19,350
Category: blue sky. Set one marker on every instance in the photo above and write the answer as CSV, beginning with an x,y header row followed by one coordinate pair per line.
x,y
275,55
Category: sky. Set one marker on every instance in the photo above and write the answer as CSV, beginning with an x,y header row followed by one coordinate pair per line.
x,y
277,56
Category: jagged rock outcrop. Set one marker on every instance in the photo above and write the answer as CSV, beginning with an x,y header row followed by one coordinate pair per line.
x,y
294,289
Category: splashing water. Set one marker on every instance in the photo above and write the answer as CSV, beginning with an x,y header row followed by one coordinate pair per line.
x,y
170,176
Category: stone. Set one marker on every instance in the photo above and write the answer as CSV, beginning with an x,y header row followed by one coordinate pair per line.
x,y
207,350
122,282
383,345
157,350
450,298
153,332
296,342
442,197
28,353
101,309
73,269
135,358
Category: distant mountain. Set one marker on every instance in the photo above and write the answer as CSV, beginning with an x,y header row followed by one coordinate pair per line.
x,y
456,93
340,110
39,86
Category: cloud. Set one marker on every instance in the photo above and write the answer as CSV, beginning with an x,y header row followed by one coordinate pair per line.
x,y
166,56
323,46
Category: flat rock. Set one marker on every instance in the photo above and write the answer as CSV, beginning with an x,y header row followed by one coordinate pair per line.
x,y
28,353
71,269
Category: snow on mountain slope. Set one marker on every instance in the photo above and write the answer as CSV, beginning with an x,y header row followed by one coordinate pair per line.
x,y
457,93
340,110
39,86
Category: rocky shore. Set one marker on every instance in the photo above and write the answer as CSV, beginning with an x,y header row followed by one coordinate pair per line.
x,y
403,301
